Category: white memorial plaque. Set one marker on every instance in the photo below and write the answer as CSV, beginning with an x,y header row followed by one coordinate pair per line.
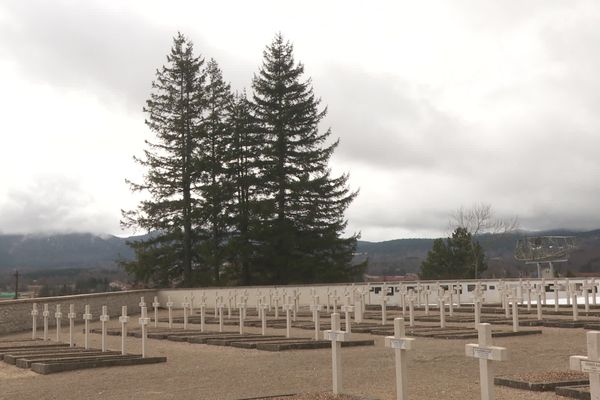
x,y
590,366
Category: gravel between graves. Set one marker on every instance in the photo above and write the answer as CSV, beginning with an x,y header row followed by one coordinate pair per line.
x,y
437,369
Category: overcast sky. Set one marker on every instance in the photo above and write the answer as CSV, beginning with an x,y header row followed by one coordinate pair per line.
x,y
438,104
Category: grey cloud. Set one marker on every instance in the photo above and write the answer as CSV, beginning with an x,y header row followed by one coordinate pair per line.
x,y
53,204
114,54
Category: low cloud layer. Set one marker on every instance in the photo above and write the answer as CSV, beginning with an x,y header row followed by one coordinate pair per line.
x,y
483,102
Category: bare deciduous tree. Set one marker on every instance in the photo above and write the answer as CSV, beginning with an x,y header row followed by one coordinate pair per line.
x,y
480,219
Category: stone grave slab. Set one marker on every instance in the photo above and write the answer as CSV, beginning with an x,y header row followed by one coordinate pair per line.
x,y
309,344
575,392
542,381
54,367
26,361
11,358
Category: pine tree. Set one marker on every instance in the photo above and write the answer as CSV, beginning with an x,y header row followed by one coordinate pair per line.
x,y
213,157
174,114
303,205
246,148
454,259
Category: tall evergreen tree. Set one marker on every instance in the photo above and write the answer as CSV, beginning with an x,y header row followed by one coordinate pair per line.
x,y
456,258
303,204
246,148
174,112
213,157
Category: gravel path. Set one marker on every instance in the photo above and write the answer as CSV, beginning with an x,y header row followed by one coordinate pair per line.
x,y
437,369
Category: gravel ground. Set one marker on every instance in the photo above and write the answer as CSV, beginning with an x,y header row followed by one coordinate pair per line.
x,y
436,369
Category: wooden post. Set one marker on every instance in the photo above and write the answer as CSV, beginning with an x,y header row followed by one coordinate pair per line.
x,y
400,343
486,353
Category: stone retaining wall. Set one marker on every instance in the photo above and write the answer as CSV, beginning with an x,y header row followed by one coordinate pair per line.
x,y
15,315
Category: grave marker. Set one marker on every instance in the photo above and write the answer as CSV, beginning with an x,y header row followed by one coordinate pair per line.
x,y
384,301
263,317
590,364
574,303
401,344
104,319
220,306
71,315
347,309
143,321
486,353
289,306
514,300
87,316
123,319
555,288
315,308
411,307
170,308
442,307
336,336
58,316
185,306
34,314
46,314
155,305
241,308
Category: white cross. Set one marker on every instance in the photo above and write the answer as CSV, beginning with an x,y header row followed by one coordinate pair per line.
x,y
58,316
427,292
538,293
155,305
202,316
144,321
45,314
400,343
555,288
514,299
185,306
192,297
289,306
569,288
242,309
336,336
402,293
71,315
543,291
594,300
142,303
347,309
586,289
573,294
34,314
477,301
411,307
442,306
220,307
87,317
486,353
590,364
315,308
170,308
458,290
104,319
384,301
263,317
123,319
528,288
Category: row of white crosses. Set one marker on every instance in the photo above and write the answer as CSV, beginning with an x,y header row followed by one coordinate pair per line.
x,y
484,351
87,317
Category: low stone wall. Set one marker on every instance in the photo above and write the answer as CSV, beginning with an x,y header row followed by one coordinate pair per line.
x,y
15,315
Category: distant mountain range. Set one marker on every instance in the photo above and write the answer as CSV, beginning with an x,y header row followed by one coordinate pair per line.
x,y
392,257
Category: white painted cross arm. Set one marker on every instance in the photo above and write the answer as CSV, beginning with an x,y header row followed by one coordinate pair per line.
x,y
336,335
493,353
402,343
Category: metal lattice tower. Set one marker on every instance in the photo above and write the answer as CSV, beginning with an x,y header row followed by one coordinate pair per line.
x,y
545,249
